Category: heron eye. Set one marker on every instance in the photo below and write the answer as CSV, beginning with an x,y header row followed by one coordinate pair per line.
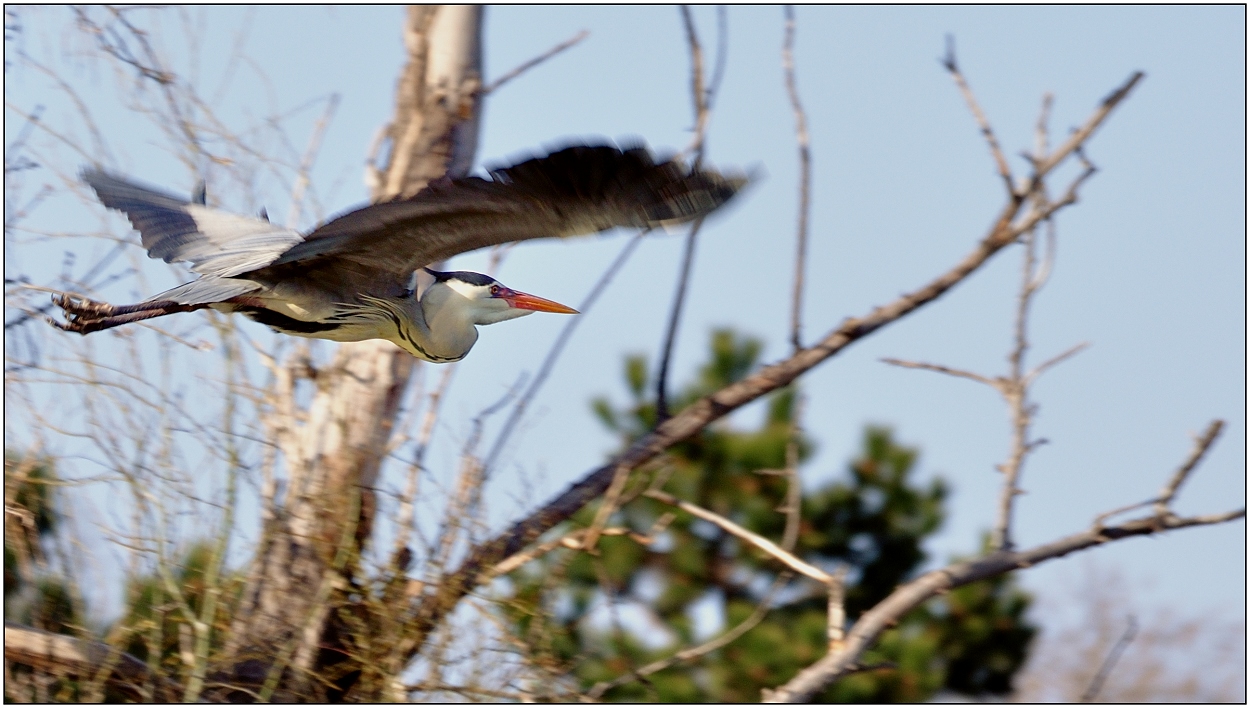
x,y
494,290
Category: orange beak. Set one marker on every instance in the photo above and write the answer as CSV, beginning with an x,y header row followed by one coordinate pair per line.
x,y
525,301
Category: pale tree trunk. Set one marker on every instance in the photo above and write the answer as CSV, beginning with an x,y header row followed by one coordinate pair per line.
x,y
333,451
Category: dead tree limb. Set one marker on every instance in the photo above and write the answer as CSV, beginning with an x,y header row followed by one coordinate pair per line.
x,y
71,657
872,623
1011,221
339,450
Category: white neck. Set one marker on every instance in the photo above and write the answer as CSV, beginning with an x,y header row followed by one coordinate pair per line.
x,y
447,326
442,326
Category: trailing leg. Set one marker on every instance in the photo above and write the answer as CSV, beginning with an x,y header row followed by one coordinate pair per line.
x,y
85,316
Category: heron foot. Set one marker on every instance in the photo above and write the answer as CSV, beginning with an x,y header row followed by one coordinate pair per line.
x,y
82,307
85,316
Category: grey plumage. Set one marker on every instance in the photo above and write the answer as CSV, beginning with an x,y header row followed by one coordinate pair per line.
x,y
216,243
208,290
349,278
578,190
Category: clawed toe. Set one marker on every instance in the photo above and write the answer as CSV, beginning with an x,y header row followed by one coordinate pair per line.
x,y
81,315
70,326
76,307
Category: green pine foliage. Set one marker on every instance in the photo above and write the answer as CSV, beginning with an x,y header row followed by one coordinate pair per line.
x,y
154,619
34,595
874,521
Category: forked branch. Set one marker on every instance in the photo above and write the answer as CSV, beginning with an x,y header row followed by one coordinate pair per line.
x,y
1006,228
872,623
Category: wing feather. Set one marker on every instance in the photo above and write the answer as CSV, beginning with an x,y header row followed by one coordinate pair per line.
x,y
578,190
215,242
208,290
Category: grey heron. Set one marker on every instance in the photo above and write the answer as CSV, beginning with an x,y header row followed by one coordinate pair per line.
x,y
364,275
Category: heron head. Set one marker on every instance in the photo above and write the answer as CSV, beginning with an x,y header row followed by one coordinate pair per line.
x,y
484,300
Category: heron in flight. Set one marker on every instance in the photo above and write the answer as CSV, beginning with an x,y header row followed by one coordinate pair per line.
x,y
364,275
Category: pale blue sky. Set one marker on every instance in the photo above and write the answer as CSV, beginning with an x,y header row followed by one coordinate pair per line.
x,y
1151,265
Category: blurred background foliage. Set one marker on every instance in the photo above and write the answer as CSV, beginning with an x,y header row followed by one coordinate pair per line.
x,y
36,592
155,628
873,521
596,618
39,591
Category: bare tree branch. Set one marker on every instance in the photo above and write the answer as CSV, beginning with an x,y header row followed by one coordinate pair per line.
x,y
68,656
553,354
699,98
303,177
1113,656
722,54
698,95
611,499
750,537
1057,359
1080,135
695,652
674,319
805,181
872,623
958,373
952,66
1202,445
566,44
698,415
577,541
1014,388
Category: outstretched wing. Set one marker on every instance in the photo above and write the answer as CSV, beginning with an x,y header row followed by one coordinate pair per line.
x,y
215,242
578,190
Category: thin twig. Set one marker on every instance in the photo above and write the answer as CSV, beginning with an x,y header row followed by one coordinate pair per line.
x,y
1041,141
1113,657
1054,360
836,614
793,505
698,95
1080,135
1201,445
611,498
750,537
952,66
469,483
695,652
958,373
805,180
1014,389
407,504
302,176
468,691
722,54
553,354
494,85
1101,518
699,99
574,541
674,318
